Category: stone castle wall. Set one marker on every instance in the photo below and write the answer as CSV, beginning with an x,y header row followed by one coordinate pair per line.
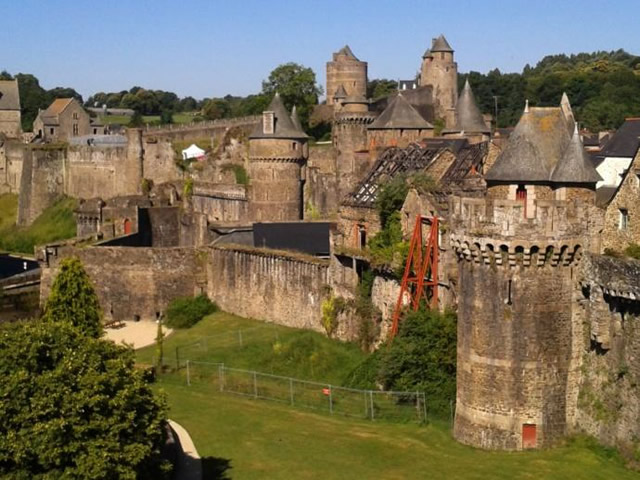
x,y
272,286
10,123
134,282
194,131
11,159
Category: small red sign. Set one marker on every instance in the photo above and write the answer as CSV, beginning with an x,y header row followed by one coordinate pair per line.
x,y
326,391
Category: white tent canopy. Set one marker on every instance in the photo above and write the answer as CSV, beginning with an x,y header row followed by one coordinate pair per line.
x,y
192,152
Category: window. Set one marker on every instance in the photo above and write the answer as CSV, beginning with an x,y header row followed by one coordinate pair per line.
x,y
293,145
441,55
95,131
521,195
75,115
75,129
51,130
268,121
623,223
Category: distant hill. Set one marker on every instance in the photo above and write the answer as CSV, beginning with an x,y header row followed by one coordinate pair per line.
x,y
603,87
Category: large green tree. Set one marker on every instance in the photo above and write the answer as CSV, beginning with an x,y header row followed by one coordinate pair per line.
x,y
297,86
74,406
73,300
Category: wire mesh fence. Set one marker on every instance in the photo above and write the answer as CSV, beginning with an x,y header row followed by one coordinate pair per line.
x,y
201,349
332,399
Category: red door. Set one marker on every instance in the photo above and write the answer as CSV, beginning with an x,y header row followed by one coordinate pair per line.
x,y
529,435
127,226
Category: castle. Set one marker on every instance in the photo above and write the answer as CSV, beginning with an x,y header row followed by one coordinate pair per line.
x,y
547,325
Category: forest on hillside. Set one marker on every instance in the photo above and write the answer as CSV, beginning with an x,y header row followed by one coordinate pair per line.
x,y
603,87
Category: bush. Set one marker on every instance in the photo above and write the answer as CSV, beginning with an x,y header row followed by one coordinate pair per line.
x,y
186,312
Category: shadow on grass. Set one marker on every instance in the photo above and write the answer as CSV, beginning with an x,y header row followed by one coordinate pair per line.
x,y
214,468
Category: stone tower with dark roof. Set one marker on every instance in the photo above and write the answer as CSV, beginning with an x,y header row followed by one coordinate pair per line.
x,y
441,72
278,151
518,249
399,125
469,120
347,71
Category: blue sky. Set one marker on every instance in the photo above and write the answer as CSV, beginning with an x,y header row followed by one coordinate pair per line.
x,y
213,48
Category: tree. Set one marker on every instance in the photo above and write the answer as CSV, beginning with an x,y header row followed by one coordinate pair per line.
x,y
380,87
73,300
166,117
297,86
136,120
423,357
75,407
215,108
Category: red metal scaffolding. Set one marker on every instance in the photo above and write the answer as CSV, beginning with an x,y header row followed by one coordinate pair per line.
x,y
420,279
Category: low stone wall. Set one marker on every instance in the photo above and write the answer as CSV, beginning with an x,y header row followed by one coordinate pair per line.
x,y
134,282
267,285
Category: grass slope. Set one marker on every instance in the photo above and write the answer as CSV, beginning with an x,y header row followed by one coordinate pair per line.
x,y
255,439
55,223
178,118
265,347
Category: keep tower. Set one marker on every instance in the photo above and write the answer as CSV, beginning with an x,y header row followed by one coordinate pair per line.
x,y
278,152
517,251
441,72
346,71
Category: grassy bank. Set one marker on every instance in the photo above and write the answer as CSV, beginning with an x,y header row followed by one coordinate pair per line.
x,y
268,348
55,223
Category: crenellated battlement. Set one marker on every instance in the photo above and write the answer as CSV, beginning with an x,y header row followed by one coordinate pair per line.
x,y
548,223
495,251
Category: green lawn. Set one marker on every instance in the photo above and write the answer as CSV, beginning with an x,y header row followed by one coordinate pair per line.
x,y
254,439
55,223
249,344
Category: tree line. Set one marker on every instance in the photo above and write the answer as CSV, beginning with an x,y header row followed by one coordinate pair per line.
x,y
603,87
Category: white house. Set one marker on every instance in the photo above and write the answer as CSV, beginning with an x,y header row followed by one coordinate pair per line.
x,y
617,154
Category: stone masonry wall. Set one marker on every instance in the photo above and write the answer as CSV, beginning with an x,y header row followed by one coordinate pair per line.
x,y
134,282
271,286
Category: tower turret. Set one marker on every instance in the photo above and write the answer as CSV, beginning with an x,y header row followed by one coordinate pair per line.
x,y
441,72
347,71
278,151
469,120
517,251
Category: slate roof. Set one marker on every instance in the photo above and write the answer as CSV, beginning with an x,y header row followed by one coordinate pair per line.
x,y
9,95
340,92
625,142
575,166
469,117
440,44
283,126
400,115
604,195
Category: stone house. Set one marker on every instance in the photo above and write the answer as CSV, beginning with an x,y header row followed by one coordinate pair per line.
x,y
10,124
622,214
616,155
63,119
399,125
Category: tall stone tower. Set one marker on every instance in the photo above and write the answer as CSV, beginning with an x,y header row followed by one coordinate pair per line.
x,y
346,70
278,151
349,134
517,250
441,72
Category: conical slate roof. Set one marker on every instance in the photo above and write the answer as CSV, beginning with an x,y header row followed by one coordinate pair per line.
x,y
340,92
400,114
575,165
346,51
295,119
541,149
283,126
427,53
440,44
469,118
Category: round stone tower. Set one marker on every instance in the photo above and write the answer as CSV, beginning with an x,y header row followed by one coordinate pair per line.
x,y
278,151
517,251
441,72
346,70
349,134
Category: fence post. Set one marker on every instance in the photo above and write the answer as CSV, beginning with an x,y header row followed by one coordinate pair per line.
x,y
188,375
240,337
424,406
291,389
418,406
177,359
221,377
371,402
330,400
255,385
366,402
